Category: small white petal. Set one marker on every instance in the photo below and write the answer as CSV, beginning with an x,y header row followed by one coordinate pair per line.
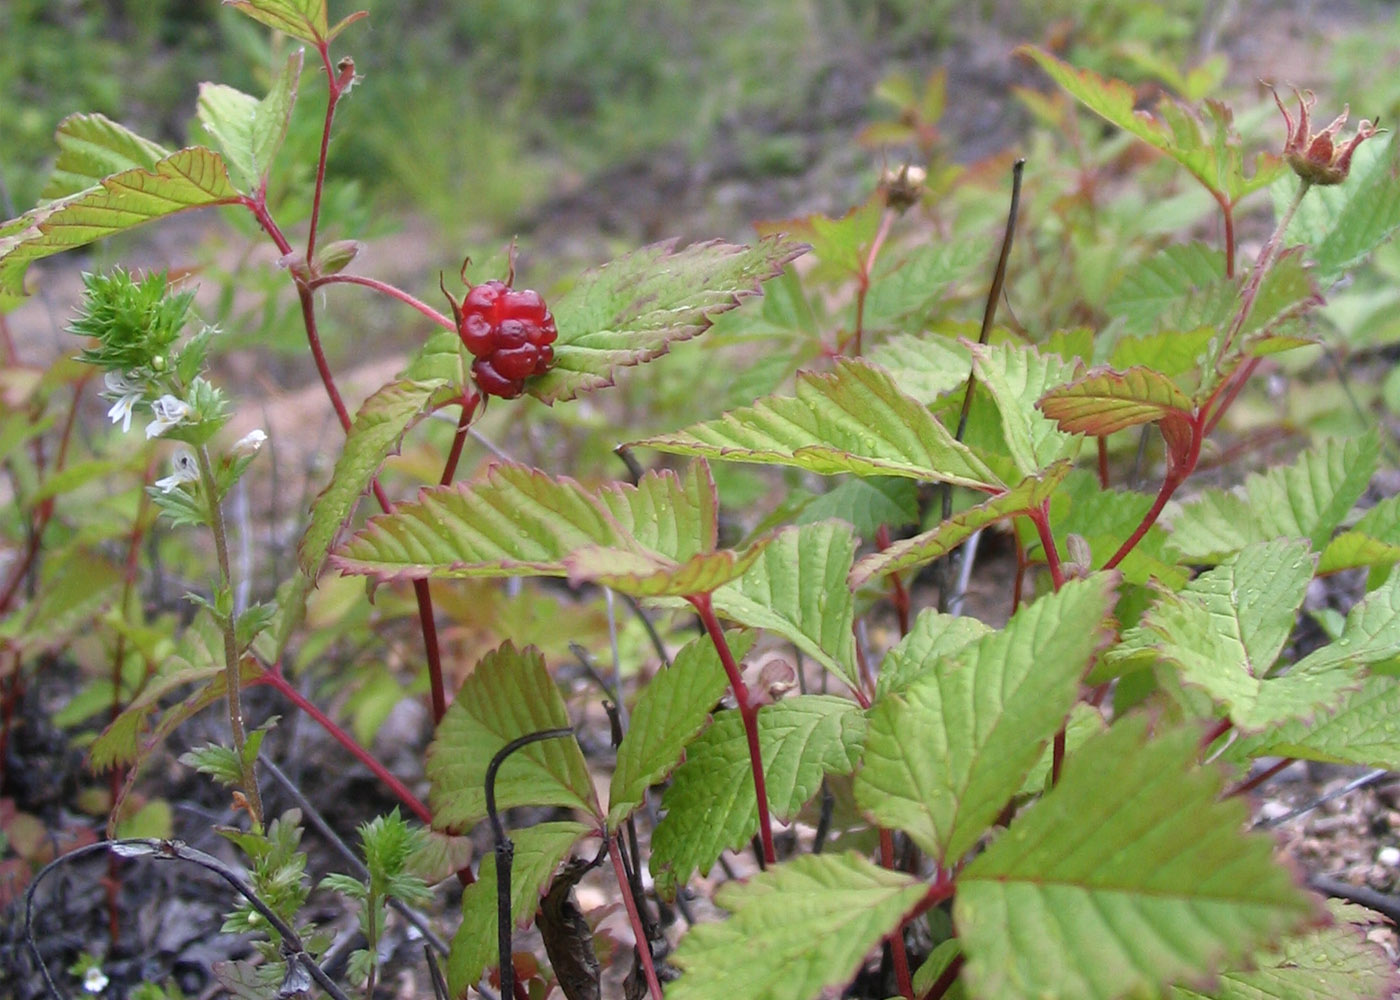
x,y
94,981
169,411
186,471
249,443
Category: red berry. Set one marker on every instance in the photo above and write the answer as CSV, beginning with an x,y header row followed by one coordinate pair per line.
x,y
509,332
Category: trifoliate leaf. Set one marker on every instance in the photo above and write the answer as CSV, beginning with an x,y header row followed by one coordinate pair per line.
x,y
853,419
1131,875
509,694
945,755
672,708
795,930
710,805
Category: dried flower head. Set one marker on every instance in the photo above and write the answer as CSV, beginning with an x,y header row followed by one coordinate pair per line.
x,y
1316,157
903,186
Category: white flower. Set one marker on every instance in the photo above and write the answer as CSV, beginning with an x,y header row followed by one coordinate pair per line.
x,y
127,394
249,444
186,471
94,981
169,411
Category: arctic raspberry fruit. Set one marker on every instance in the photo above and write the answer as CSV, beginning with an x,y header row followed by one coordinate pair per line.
x,y
509,331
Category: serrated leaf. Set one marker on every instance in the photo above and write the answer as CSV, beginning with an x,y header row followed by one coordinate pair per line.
x,y
797,590
92,147
188,178
509,694
1328,963
945,755
1307,499
839,245
923,368
538,851
794,930
674,515
1204,142
303,19
710,805
1171,352
672,708
1363,730
866,504
932,637
1178,280
514,521
851,420
906,285
1017,377
647,574
1104,401
1129,876
1373,541
631,310
1225,629
1025,496
1371,633
250,131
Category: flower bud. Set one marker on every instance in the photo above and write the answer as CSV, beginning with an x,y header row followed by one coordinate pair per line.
x,y
1316,158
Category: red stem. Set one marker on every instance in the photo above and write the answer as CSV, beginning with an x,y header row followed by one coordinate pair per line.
x,y
748,712
863,275
1227,212
275,677
638,931
945,981
1041,520
1176,475
896,937
393,291
333,92
1103,462
899,596
1250,784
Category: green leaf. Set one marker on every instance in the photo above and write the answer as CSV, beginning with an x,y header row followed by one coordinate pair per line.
x,y
1025,496
1225,629
509,694
1017,377
710,805
795,930
1373,541
672,708
303,19
249,131
797,589
923,368
839,245
1307,499
932,637
851,420
677,516
1104,401
1363,730
1129,876
945,755
1209,149
514,521
1171,352
647,574
538,851
631,310
1328,963
1371,633
187,178
93,147
909,284
866,504
1177,281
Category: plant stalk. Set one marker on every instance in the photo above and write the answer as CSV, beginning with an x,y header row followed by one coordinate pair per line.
x,y
638,931
233,680
748,712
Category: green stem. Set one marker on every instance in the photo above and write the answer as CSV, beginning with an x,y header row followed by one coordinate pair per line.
x,y
233,679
